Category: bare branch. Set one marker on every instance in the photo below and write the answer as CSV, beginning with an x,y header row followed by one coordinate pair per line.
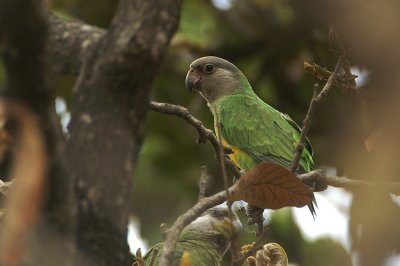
x,y
323,181
344,82
304,131
205,134
330,81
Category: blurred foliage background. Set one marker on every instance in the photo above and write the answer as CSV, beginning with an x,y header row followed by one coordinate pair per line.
x,y
269,40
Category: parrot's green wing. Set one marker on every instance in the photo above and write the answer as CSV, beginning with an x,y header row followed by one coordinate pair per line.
x,y
265,134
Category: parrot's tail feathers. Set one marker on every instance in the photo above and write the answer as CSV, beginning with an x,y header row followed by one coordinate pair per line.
x,y
312,207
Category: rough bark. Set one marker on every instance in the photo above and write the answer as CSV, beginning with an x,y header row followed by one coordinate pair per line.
x,y
69,40
110,103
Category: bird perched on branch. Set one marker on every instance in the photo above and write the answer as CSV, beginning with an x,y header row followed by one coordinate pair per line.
x,y
254,131
203,242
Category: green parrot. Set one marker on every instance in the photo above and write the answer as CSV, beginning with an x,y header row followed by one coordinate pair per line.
x,y
203,242
252,129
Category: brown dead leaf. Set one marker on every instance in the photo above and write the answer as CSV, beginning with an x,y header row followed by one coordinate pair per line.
x,y
272,186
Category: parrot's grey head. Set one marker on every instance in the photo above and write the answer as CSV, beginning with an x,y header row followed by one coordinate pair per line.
x,y
215,226
214,77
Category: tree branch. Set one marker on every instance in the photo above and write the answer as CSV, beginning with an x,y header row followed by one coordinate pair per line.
x,y
323,181
69,40
204,133
109,107
307,120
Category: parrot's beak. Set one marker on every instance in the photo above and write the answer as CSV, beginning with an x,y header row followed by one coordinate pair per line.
x,y
192,80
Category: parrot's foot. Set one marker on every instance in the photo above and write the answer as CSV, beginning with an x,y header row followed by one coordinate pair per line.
x,y
272,254
255,216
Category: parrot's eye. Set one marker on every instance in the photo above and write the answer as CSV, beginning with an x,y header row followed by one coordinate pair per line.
x,y
209,68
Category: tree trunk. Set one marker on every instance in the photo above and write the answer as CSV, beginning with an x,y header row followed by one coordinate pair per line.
x,y
87,204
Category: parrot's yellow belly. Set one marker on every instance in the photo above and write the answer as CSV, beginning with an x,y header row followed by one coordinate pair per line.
x,y
241,158
185,260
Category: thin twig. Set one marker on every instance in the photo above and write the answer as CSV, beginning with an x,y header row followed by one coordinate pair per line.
x,y
304,131
329,82
307,120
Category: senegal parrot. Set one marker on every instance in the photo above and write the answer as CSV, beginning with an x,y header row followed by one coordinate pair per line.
x,y
252,129
203,242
